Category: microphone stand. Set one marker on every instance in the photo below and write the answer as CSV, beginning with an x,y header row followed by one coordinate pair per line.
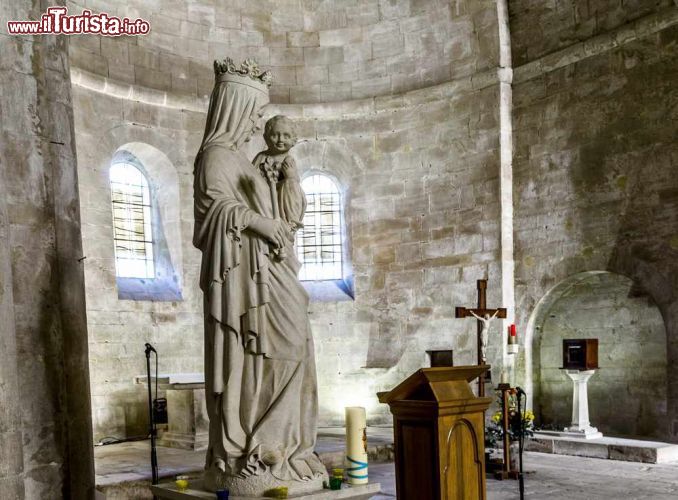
x,y
154,456
521,439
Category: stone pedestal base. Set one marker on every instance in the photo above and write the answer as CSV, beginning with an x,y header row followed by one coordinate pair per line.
x,y
590,433
581,427
257,486
363,492
586,433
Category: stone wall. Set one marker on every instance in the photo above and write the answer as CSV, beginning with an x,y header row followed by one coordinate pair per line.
x,y
595,184
539,28
165,141
627,395
45,449
420,188
418,171
321,51
418,164
421,185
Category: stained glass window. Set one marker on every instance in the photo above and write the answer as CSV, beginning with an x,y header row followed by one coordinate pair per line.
x,y
319,242
132,231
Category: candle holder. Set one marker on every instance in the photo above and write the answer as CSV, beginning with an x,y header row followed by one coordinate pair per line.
x,y
181,482
513,346
337,479
512,334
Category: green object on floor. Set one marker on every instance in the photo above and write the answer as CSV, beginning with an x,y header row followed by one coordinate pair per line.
x,y
336,479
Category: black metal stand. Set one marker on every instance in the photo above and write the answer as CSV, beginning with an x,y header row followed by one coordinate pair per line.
x,y
154,455
521,440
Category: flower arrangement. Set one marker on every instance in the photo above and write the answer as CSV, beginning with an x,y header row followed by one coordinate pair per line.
x,y
494,431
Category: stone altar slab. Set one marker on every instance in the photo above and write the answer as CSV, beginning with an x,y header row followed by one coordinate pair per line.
x,y
187,420
176,380
358,492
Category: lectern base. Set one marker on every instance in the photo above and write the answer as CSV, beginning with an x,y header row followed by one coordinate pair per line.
x,y
502,474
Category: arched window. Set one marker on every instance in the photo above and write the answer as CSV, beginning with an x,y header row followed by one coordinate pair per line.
x,y
132,231
319,242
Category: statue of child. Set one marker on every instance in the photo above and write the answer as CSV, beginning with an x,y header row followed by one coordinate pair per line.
x,y
278,166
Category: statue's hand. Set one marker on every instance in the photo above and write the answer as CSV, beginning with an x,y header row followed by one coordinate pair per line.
x,y
292,228
274,230
289,168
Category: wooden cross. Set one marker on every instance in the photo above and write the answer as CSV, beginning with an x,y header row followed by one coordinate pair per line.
x,y
481,310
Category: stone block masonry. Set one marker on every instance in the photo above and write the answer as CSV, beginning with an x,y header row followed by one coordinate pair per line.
x,y
298,36
44,388
386,159
416,146
595,183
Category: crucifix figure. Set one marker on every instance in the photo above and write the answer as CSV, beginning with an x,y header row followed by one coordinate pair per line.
x,y
485,320
483,316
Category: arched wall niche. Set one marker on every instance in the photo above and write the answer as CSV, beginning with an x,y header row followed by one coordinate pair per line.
x,y
164,162
117,328
165,221
332,159
628,394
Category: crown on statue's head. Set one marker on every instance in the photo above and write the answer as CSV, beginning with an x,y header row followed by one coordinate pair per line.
x,y
248,73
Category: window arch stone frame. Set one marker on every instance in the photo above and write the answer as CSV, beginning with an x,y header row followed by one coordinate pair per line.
x,y
164,190
332,159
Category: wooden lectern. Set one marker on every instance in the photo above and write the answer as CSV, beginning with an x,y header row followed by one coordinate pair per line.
x,y
439,434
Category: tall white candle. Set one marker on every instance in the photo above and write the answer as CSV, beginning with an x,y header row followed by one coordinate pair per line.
x,y
356,445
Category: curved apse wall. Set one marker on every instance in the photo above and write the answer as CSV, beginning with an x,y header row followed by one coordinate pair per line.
x,y
419,161
319,51
538,28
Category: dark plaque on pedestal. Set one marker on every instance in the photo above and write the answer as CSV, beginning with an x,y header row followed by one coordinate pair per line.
x,y
441,358
580,354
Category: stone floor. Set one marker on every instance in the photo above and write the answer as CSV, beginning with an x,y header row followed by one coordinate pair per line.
x,y
560,477
548,476
122,470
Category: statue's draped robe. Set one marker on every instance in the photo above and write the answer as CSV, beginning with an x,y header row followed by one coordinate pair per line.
x,y
259,358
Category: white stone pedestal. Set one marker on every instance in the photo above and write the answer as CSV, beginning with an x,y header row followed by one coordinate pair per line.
x,y
581,427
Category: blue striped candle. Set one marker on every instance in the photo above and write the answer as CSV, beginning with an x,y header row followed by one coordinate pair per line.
x,y
356,445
